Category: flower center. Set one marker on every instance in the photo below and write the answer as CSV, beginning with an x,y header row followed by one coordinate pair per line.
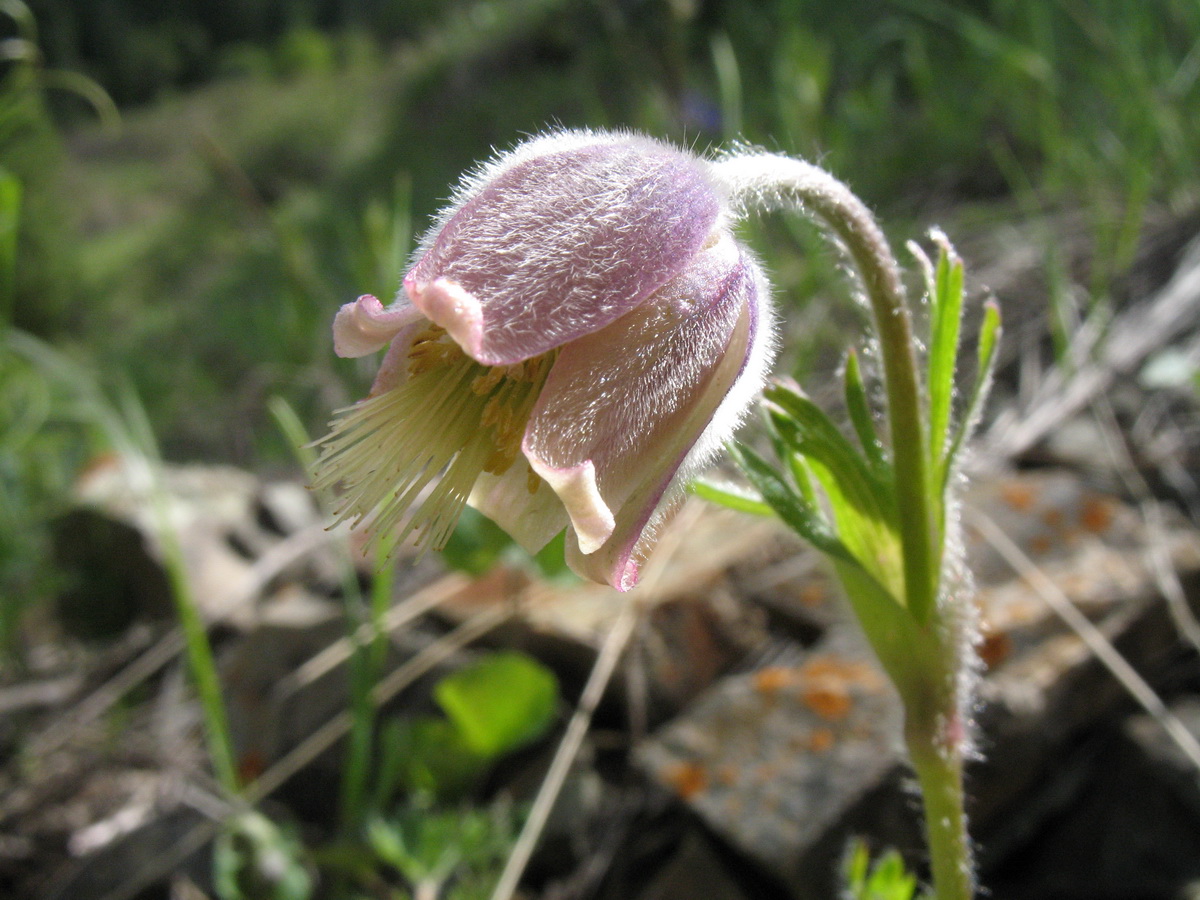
x,y
423,444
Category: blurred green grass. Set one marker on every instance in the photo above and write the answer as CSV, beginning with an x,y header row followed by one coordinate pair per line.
x,y
262,175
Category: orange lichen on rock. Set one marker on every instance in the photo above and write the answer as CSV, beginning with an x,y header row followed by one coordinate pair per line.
x,y
1054,518
856,672
1020,497
828,700
773,678
821,740
826,683
1041,545
687,778
814,594
1097,514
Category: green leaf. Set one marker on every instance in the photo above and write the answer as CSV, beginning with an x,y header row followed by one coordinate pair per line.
x,y
859,410
551,561
256,859
430,755
476,545
731,497
390,762
803,518
805,428
863,506
908,651
421,844
886,879
445,850
500,703
943,352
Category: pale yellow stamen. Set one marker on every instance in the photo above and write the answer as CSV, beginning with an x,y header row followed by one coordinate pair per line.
x,y
412,454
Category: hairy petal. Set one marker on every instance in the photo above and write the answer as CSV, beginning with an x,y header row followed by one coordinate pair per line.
x,y
629,402
559,240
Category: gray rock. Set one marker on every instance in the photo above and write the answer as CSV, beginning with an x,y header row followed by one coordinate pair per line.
x,y
775,761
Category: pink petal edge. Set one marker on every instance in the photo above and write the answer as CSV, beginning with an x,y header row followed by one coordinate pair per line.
x,y
448,304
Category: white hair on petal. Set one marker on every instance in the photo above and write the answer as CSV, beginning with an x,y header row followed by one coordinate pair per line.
x,y
476,179
761,350
560,253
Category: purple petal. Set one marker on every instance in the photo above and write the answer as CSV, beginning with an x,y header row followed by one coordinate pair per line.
x,y
560,239
629,402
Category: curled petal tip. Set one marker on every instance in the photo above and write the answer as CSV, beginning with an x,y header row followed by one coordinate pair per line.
x,y
365,326
452,307
576,488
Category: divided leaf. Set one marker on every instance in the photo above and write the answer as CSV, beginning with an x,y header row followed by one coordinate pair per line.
x,y
859,409
989,340
731,496
943,354
795,511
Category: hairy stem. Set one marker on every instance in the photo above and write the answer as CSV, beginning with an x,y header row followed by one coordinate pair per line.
x,y
768,181
927,681
940,773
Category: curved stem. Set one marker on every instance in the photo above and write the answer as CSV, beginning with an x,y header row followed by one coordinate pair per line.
x,y
768,181
930,686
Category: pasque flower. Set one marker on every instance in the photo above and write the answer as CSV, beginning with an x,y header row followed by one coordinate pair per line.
x,y
579,334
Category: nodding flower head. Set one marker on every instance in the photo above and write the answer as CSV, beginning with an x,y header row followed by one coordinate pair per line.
x,y
579,334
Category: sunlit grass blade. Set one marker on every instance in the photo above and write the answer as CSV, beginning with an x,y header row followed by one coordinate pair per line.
x,y
368,657
729,85
366,668
293,430
127,429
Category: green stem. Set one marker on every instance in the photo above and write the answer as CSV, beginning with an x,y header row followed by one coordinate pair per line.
x,y
939,772
366,668
201,664
770,181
